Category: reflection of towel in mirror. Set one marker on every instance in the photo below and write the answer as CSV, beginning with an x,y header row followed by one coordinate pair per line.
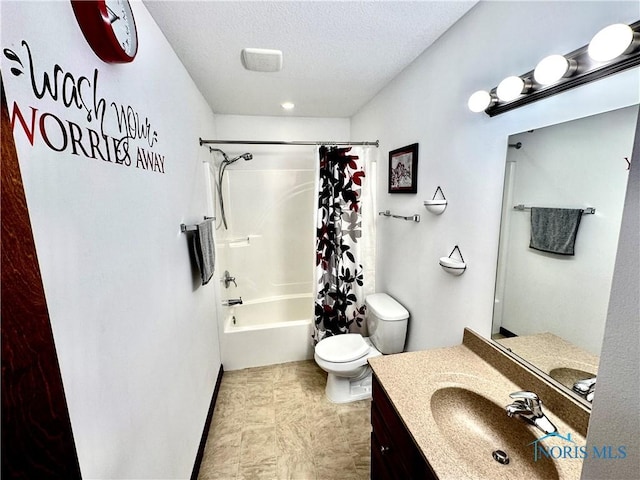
x,y
204,249
554,230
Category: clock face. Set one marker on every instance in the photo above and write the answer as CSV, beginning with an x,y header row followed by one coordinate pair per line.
x,y
124,28
109,28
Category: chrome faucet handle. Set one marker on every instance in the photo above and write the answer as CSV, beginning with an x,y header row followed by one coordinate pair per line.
x,y
528,407
227,279
531,400
585,386
525,394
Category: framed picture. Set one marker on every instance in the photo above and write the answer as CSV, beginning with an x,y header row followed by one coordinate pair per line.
x,y
403,169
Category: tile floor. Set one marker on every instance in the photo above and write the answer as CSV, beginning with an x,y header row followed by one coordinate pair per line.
x,y
276,423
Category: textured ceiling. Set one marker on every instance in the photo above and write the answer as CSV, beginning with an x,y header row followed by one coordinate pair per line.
x,y
337,55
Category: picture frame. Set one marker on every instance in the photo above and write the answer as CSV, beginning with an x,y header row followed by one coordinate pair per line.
x,y
403,169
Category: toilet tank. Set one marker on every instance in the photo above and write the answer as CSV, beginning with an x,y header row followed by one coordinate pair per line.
x,y
386,322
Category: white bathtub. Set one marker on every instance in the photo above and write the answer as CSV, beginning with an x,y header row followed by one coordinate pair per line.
x,y
268,331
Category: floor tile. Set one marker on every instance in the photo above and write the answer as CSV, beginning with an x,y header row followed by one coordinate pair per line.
x,y
295,467
275,422
263,471
258,445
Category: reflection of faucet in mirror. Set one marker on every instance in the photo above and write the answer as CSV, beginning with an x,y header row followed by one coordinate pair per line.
x,y
540,297
585,388
528,407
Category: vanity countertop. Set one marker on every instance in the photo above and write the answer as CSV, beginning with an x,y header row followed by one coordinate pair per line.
x,y
548,352
410,379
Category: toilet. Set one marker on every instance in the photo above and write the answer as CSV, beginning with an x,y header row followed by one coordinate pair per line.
x,y
344,357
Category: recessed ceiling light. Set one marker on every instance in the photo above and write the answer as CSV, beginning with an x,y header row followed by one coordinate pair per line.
x,y
288,105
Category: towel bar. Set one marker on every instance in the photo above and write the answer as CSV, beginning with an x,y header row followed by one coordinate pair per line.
x,y
413,218
192,228
587,210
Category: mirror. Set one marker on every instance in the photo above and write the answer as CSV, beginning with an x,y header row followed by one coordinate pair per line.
x,y
550,308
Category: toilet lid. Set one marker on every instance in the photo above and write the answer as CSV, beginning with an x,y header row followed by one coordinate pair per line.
x,y
342,348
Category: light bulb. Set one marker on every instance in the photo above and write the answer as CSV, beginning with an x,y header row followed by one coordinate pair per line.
x,y
611,42
552,68
511,88
288,105
480,101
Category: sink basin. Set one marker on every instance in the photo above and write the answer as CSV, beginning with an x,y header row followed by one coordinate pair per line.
x,y
484,427
569,376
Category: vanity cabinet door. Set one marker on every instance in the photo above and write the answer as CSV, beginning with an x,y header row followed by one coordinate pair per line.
x,y
394,454
381,468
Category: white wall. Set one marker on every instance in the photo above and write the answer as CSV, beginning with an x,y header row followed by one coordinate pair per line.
x,y
465,153
615,418
576,164
136,335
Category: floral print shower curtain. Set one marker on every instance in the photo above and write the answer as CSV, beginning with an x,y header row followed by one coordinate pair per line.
x,y
339,303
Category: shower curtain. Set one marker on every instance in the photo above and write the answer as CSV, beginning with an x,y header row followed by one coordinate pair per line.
x,y
345,240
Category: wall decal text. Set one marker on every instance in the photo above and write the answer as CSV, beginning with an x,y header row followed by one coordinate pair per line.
x,y
111,130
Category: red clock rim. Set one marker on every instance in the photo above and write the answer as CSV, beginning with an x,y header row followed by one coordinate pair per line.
x,y
93,19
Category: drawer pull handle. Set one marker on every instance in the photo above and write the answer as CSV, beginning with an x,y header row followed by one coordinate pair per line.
x,y
384,449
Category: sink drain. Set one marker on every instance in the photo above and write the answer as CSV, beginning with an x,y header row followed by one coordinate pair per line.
x,y
501,457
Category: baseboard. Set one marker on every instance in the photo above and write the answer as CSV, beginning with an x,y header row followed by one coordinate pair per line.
x,y
207,425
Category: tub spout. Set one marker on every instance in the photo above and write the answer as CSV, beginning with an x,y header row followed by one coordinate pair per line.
x,y
232,301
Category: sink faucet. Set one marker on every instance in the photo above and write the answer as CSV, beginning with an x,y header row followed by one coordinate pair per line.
x,y
585,387
528,407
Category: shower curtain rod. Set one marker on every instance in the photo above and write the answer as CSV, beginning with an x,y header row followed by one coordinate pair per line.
x,y
267,142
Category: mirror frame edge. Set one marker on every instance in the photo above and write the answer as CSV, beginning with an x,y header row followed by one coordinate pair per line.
x,y
542,375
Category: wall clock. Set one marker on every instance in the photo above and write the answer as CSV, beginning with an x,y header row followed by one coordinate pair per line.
x,y
109,28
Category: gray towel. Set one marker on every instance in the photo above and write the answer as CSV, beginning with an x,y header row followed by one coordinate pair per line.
x,y
554,230
204,249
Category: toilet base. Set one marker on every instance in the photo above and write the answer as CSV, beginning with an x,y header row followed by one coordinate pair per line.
x,y
344,390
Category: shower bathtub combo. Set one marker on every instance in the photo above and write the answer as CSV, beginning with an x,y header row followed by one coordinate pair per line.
x,y
263,242
270,249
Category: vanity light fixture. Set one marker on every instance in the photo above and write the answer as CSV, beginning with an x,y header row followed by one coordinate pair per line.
x,y
612,50
512,87
613,41
481,100
552,68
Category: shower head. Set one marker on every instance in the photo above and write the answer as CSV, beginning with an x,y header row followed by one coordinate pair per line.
x,y
244,156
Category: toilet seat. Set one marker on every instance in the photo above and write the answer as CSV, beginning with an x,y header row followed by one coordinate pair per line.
x,y
349,368
342,348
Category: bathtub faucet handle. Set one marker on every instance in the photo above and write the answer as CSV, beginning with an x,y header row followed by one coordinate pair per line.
x,y
227,279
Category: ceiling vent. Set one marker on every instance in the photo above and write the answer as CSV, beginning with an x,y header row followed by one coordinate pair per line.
x,y
261,59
